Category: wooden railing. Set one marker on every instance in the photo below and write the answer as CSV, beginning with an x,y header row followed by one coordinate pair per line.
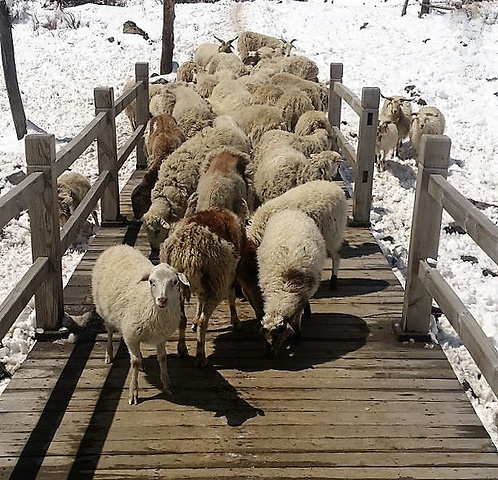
x,y
423,281
363,160
38,194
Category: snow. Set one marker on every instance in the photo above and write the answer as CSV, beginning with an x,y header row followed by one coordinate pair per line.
x,y
449,58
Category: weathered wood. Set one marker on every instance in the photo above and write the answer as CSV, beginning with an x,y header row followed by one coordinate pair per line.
x,y
126,98
70,230
351,99
168,42
10,72
365,158
68,154
335,101
44,222
142,109
425,232
346,149
469,217
22,292
349,401
470,332
107,155
17,198
134,140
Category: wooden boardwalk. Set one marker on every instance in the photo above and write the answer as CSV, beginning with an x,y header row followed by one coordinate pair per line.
x,y
350,402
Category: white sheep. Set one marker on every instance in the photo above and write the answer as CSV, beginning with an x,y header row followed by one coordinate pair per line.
x,y
227,62
250,41
186,72
397,109
387,140
255,120
428,120
179,176
140,301
321,200
280,165
228,96
293,103
205,51
71,189
207,247
312,89
290,268
299,66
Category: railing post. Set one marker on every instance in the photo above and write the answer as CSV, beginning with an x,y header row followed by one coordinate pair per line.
x,y
142,110
335,101
107,156
425,233
45,233
367,135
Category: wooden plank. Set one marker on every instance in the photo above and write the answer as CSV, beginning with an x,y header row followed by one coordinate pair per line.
x,y
351,99
68,154
17,198
346,149
483,231
471,333
22,292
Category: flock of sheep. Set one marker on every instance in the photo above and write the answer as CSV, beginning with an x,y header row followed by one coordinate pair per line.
x,y
238,191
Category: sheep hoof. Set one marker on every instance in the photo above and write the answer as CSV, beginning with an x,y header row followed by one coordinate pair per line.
x,y
168,390
201,362
236,325
194,327
333,282
182,350
133,398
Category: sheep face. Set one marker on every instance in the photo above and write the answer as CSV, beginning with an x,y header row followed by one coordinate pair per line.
x,y
66,203
276,331
157,230
164,284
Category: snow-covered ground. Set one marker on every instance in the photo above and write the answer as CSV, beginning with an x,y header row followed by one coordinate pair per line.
x,y
448,58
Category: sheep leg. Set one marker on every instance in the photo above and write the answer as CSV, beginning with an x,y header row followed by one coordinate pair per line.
x,y
234,319
182,346
198,313
335,269
161,358
209,307
109,353
135,356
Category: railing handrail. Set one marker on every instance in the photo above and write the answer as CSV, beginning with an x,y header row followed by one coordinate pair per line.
x,y
424,283
362,161
38,193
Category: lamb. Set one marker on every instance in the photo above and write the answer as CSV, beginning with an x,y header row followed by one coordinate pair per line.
x,y
143,303
387,139
428,120
207,247
321,200
162,137
222,186
179,176
71,189
290,268
250,41
205,51
397,109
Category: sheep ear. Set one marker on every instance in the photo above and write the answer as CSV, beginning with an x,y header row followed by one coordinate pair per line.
x,y
144,278
183,278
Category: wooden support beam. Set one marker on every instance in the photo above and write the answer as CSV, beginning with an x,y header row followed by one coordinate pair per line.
x,y
425,233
